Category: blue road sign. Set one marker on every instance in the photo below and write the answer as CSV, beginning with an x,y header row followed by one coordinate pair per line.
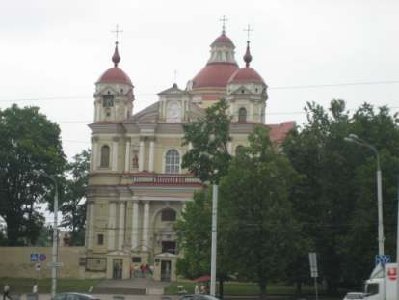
x,y
382,259
34,257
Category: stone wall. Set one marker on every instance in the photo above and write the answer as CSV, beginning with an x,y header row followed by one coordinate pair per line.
x,y
16,262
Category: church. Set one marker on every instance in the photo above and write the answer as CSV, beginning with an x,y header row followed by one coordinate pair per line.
x,y
137,188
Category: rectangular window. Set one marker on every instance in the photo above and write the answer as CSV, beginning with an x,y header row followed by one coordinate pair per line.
x,y
108,100
169,247
100,239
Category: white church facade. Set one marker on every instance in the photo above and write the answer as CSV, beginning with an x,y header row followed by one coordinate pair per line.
x,y
137,188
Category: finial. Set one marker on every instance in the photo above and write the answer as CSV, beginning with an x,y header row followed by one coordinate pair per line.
x,y
224,19
116,58
247,56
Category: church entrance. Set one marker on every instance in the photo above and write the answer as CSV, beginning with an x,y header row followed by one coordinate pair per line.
x,y
166,270
117,269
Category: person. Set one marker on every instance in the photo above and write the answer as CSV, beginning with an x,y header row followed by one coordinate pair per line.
x,y
196,289
35,288
6,292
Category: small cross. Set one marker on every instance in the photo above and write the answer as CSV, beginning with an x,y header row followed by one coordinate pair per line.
x,y
224,19
117,31
248,30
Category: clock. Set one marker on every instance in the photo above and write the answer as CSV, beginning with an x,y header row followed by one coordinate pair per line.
x,y
173,113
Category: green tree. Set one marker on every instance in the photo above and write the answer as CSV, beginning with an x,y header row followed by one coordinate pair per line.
x,y
208,159
256,220
335,198
194,236
28,142
74,203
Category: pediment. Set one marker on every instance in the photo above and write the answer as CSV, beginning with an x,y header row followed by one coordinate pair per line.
x,y
241,90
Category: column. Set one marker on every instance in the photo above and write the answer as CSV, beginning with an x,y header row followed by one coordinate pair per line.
x,y
91,225
94,154
146,225
111,226
151,157
141,156
121,224
115,151
135,225
229,148
127,156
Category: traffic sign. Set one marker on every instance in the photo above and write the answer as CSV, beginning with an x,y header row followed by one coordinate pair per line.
x,y
34,257
42,257
391,273
56,264
382,259
313,265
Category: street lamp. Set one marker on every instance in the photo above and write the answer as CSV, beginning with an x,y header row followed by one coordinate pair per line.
x,y
353,138
54,254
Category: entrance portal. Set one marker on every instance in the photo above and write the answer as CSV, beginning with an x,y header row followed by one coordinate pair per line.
x,y
117,269
166,270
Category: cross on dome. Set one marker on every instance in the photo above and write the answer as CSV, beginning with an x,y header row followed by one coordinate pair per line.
x,y
248,30
117,31
224,20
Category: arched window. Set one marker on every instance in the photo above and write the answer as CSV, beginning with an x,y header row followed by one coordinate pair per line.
x,y
239,149
172,162
168,214
104,162
242,115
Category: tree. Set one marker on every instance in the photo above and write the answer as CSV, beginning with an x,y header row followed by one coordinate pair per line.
x,y
28,142
74,204
194,236
335,198
256,220
208,159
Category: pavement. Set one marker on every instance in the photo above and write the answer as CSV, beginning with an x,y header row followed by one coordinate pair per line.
x,y
115,297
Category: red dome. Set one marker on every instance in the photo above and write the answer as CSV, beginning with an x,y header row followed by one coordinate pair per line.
x,y
214,75
114,75
222,39
245,75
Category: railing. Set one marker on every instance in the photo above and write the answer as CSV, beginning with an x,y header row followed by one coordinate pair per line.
x,y
164,179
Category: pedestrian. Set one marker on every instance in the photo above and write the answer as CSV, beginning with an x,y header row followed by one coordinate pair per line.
x,y
6,292
35,288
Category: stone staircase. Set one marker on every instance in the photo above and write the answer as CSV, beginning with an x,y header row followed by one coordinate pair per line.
x,y
136,286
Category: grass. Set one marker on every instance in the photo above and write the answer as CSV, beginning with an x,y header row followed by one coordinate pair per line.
x,y
24,285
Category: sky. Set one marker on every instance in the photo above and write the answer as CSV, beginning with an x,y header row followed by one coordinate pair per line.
x,y
52,52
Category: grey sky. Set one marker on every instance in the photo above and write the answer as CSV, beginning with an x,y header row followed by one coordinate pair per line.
x,y
54,51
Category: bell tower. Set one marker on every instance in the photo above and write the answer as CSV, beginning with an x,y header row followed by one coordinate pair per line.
x,y
113,96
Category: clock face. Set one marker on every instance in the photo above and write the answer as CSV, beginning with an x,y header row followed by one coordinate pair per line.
x,y
173,112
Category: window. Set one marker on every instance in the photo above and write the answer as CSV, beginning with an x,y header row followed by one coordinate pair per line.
x,y
169,247
100,239
168,214
172,162
242,115
104,162
108,100
239,149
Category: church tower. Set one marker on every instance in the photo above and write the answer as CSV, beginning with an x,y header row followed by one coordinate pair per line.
x,y
113,97
246,93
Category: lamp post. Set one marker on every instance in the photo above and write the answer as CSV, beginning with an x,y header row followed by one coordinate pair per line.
x,y
353,138
54,253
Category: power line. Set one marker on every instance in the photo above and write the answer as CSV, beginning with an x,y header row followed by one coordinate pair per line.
x,y
309,86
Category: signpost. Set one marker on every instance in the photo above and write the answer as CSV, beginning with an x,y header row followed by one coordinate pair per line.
x,y
313,270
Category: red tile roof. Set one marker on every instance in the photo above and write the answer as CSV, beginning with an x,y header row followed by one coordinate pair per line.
x,y
114,75
214,75
245,75
278,132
